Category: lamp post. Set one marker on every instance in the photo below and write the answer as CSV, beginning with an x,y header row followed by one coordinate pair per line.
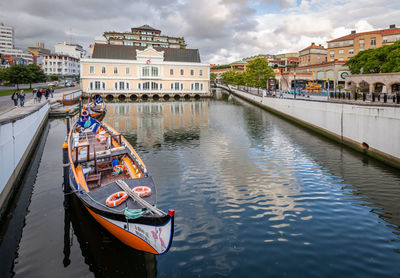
x,y
294,81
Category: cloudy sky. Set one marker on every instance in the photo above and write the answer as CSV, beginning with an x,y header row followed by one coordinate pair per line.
x,y
223,30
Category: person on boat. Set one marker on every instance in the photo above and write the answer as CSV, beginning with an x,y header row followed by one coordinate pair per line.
x,y
85,120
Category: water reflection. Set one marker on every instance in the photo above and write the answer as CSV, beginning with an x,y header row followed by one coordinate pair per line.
x,y
105,255
153,123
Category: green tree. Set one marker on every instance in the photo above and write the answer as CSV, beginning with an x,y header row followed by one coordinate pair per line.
x,y
16,74
228,76
380,60
35,74
213,76
54,77
259,72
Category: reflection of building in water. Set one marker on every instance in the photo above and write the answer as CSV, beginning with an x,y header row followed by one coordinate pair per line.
x,y
152,122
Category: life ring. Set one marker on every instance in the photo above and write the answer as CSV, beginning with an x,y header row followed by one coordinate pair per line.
x,y
84,113
142,191
119,168
116,199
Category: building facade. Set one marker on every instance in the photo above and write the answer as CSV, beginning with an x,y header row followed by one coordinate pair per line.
x,y
312,55
11,55
144,36
133,71
60,64
343,48
38,51
71,49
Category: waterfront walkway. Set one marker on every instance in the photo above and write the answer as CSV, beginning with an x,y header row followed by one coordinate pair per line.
x,y
314,97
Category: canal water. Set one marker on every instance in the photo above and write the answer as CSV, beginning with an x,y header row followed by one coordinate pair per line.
x,y
255,196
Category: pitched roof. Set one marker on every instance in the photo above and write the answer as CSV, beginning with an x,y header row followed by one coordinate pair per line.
x,y
313,46
384,32
126,52
146,27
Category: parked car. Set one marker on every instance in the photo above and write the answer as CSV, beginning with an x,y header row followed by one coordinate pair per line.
x,y
52,84
69,84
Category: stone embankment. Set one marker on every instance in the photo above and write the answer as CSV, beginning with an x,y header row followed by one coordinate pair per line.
x,y
371,129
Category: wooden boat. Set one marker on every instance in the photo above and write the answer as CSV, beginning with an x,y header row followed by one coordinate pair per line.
x,y
97,108
108,176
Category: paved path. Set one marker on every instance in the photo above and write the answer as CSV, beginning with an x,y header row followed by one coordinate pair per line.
x,y
6,103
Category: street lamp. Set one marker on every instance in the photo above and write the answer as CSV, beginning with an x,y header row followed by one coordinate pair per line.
x,y
294,80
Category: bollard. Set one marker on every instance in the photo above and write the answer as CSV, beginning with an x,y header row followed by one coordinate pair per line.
x,y
373,97
68,121
364,96
384,98
379,97
66,168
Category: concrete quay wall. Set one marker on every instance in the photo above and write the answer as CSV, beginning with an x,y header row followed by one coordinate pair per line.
x,y
373,130
19,134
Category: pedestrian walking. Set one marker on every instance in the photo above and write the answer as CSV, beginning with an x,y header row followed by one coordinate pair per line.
x,y
51,92
46,93
22,98
34,92
40,94
15,97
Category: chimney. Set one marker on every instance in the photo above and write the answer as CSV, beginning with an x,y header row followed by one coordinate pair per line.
x,y
313,43
353,32
392,26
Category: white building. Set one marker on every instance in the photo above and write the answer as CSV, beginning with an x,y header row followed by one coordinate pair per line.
x,y
6,36
70,49
60,64
7,48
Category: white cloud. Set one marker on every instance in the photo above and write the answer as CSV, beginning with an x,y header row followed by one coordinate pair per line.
x,y
223,30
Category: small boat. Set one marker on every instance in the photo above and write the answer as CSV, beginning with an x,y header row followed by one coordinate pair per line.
x,y
97,108
114,185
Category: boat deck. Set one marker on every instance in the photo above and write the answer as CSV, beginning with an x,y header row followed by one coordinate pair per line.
x,y
97,198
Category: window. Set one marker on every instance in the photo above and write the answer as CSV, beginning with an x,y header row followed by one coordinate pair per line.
x,y
373,41
116,85
361,42
154,86
146,86
154,71
177,86
196,86
351,51
191,72
103,70
182,72
91,86
127,85
201,72
115,70
332,53
146,71
171,72
341,51
91,69
127,70
121,85
97,85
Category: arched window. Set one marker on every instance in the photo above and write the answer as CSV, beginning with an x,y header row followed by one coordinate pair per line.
x,y
149,71
146,86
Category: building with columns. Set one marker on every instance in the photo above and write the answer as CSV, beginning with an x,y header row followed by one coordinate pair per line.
x,y
134,71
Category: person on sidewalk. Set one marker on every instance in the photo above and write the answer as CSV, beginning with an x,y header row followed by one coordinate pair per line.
x,y
40,94
15,97
46,93
34,92
22,98
51,92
